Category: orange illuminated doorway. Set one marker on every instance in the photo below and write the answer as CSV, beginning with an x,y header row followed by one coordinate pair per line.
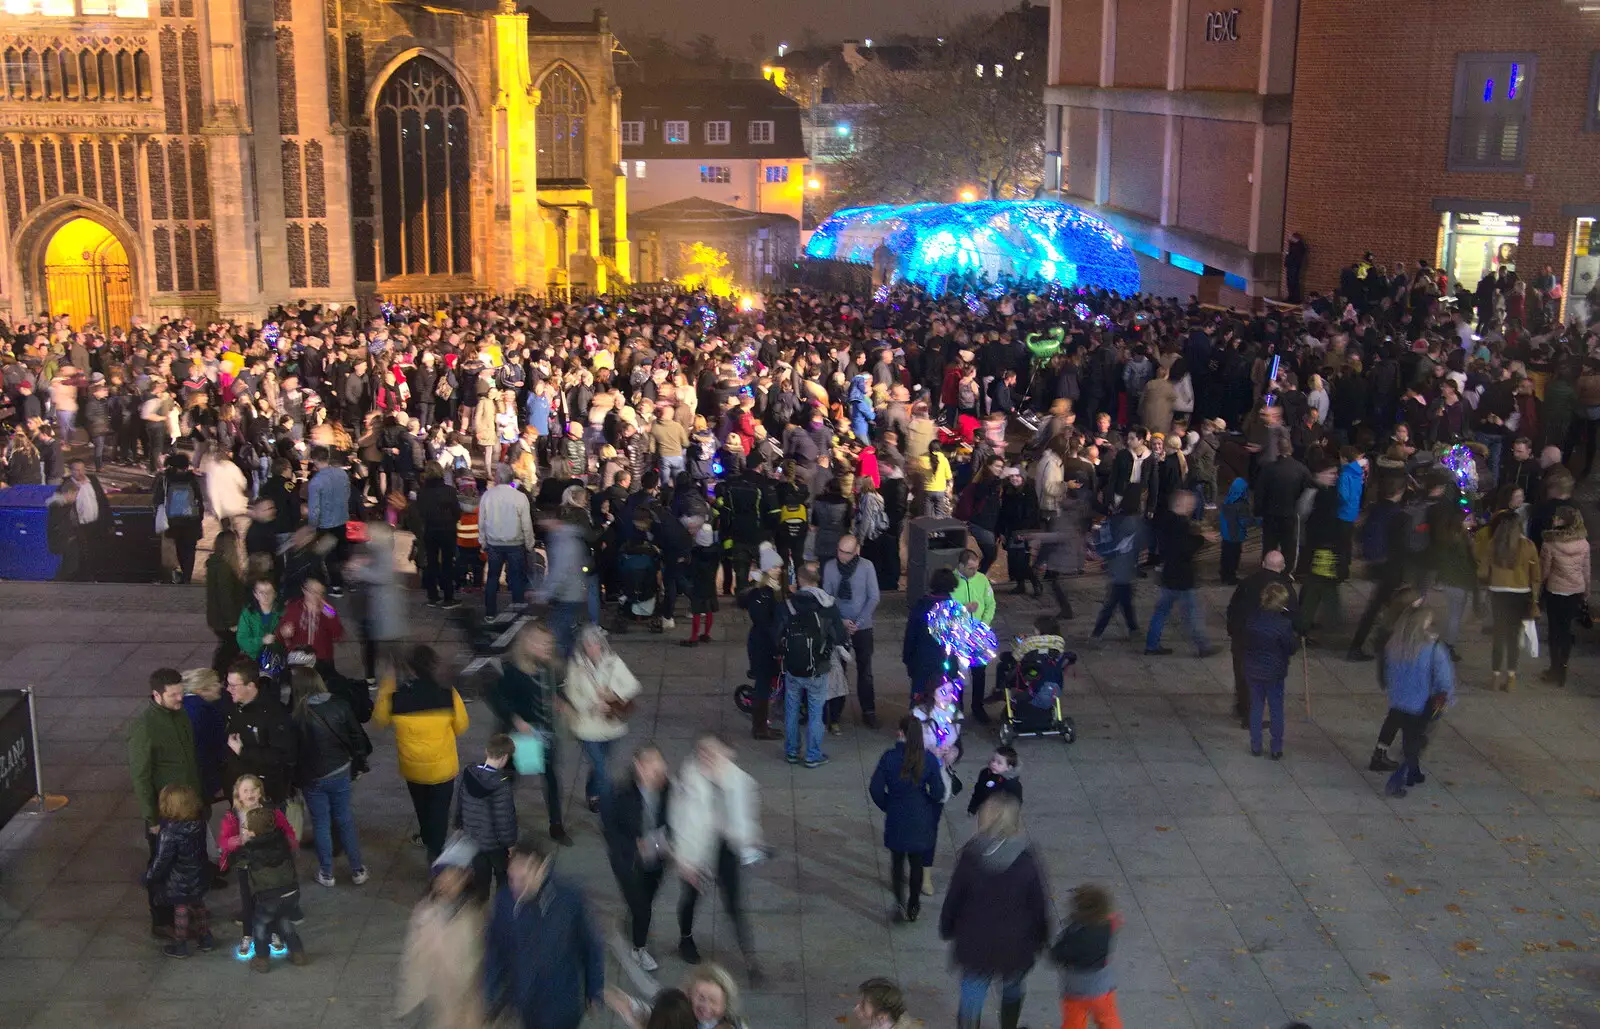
x,y
87,276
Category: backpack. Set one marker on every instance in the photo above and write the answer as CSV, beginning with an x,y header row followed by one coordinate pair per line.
x,y
180,500
872,520
1106,543
805,642
1419,533
744,508
967,394
1375,534
964,503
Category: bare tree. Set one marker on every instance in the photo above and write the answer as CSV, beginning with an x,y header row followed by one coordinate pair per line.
x,y
964,114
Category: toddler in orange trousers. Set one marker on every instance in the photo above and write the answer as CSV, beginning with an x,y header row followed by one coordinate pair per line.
x,y
1083,950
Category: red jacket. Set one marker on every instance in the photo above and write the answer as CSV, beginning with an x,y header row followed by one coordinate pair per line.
x,y
228,839
319,630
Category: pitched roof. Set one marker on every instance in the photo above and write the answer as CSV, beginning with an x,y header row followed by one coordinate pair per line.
x,y
698,101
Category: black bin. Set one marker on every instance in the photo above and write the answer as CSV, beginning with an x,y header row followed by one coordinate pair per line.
x,y
931,543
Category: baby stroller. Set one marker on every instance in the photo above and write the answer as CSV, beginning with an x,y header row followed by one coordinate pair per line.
x,y
1032,685
638,581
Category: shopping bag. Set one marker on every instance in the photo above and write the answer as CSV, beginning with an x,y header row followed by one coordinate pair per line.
x,y
529,753
294,812
459,850
1530,637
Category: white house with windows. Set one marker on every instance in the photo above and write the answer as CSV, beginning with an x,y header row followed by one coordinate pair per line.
x,y
736,142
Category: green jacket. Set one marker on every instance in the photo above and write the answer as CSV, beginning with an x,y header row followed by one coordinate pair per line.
x,y
161,753
976,590
226,595
253,625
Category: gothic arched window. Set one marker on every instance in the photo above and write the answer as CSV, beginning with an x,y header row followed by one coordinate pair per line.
x,y
563,106
424,172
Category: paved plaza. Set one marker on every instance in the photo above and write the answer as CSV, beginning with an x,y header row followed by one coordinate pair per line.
x,y
1251,892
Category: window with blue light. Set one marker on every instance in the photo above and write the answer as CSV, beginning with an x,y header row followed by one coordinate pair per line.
x,y
1491,111
1188,264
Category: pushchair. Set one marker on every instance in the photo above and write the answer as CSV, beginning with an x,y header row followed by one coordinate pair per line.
x,y
1032,685
639,585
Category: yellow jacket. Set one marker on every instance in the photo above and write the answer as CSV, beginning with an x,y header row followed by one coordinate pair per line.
x,y
1523,576
427,718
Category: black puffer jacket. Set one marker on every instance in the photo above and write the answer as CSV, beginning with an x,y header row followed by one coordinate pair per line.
x,y
486,808
328,737
177,873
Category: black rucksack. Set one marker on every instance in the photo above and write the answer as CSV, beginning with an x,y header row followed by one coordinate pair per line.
x,y
805,641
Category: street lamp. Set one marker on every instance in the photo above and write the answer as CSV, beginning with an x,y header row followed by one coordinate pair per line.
x,y
968,195
813,183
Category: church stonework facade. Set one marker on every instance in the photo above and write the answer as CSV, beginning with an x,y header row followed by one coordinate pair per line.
x,y
202,158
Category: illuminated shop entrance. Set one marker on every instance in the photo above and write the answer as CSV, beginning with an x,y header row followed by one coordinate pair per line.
x,y
1585,270
1472,243
87,276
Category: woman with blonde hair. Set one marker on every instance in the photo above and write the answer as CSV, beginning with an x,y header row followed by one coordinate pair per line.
x,y
1508,564
249,793
1420,679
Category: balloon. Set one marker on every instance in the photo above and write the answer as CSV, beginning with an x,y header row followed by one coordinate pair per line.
x,y
1043,345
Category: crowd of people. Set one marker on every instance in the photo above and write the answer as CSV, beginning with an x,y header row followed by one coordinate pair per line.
x,y
605,458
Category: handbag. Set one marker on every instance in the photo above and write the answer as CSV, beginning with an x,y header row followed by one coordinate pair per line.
x,y
294,812
1585,619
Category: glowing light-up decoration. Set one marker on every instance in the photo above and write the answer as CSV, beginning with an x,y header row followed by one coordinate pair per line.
x,y
704,268
1044,345
1081,311
967,641
1031,239
1462,464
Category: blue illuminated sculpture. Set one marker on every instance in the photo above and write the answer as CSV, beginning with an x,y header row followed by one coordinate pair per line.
x,y
1026,239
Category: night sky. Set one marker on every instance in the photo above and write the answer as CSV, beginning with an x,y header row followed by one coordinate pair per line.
x,y
734,21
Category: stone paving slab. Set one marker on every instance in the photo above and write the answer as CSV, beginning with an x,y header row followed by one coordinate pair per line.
x,y
1252,891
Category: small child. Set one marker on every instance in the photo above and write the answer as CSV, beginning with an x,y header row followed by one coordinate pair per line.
x,y
249,794
469,553
702,576
486,810
1083,950
269,865
999,777
1233,522
179,873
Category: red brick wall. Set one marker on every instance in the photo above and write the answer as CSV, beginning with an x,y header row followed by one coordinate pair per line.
x,y
1136,145
1083,148
1233,65
1213,178
1142,30
1079,43
1372,119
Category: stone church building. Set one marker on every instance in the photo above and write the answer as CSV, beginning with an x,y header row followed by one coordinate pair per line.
x,y
215,157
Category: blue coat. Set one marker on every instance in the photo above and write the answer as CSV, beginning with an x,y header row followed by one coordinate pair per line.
x,y
543,957
1269,643
910,809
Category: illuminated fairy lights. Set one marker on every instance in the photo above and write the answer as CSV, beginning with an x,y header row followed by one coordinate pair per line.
x,y
1026,239
967,642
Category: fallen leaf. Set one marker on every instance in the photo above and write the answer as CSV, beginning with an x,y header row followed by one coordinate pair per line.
x,y
1454,909
1163,828
1377,977
1520,911
1412,891
1566,945
1467,947
842,1019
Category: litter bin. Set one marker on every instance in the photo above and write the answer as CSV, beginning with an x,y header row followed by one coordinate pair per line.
x,y
133,550
932,543
24,550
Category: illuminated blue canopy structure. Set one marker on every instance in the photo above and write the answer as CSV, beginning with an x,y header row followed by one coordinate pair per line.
x,y
1029,239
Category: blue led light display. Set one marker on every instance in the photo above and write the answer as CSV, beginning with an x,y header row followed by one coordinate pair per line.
x,y
1028,239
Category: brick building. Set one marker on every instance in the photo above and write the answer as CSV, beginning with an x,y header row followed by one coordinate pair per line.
x,y
1461,132
175,157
